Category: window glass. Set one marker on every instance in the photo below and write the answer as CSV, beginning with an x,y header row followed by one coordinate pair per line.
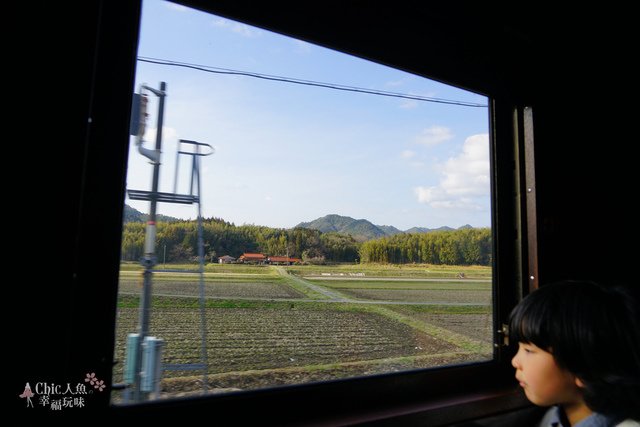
x,y
345,215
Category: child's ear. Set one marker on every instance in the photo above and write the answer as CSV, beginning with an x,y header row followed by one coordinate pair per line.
x,y
579,383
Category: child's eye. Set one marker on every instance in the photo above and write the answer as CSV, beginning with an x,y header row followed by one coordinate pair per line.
x,y
527,349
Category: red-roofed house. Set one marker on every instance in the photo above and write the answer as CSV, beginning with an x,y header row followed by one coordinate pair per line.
x,y
252,258
283,260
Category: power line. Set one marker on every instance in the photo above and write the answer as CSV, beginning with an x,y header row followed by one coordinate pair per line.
x,y
217,70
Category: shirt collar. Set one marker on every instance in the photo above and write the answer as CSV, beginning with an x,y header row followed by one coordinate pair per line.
x,y
556,418
596,420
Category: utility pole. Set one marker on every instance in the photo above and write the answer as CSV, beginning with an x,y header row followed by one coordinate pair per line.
x,y
145,383
149,260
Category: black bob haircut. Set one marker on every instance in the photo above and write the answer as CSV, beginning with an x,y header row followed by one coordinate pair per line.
x,y
593,332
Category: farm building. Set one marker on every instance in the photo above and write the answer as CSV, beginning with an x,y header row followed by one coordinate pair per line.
x,y
252,258
283,260
226,259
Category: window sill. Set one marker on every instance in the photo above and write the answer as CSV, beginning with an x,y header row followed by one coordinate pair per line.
x,y
439,412
433,412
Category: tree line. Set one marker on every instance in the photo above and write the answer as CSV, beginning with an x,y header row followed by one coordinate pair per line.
x,y
178,242
469,246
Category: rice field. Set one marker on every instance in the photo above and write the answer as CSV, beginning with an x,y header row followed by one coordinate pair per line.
x,y
268,326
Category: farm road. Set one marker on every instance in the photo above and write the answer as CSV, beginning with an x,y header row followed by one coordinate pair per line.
x,y
335,296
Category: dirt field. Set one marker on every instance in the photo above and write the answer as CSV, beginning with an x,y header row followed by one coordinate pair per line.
x,y
266,327
422,296
253,339
246,289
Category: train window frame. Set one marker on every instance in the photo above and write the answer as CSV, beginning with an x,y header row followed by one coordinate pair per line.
x,y
461,390
407,397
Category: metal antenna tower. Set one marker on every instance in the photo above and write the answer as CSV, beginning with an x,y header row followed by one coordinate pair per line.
x,y
141,378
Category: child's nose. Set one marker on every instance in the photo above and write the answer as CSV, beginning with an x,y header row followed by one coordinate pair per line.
x,y
514,362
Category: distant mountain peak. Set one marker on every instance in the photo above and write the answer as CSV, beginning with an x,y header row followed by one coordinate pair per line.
x,y
362,229
133,215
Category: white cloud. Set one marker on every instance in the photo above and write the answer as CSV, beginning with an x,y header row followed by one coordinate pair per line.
x,y
395,83
236,27
407,154
410,157
409,104
168,134
434,135
464,178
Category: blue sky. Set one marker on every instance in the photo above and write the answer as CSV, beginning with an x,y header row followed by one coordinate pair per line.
x,y
287,153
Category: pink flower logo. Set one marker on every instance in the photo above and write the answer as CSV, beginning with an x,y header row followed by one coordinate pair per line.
x,y
95,382
91,379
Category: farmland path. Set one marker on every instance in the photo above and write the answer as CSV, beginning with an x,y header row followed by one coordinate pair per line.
x,y
332,295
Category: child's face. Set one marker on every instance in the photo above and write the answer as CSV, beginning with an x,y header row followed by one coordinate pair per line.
x,y
543,381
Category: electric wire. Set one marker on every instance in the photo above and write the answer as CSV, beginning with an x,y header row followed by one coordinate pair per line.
x,y
334,86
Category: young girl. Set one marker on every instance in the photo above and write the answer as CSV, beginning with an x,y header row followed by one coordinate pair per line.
x,y
579,353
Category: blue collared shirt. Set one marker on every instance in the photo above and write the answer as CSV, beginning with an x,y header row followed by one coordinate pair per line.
x,y
555,418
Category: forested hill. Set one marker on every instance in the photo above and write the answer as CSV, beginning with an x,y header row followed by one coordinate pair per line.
x,y
363,230
360,229
133,215
179,242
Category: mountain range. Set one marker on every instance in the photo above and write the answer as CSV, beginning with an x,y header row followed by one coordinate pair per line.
x,y
361,229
